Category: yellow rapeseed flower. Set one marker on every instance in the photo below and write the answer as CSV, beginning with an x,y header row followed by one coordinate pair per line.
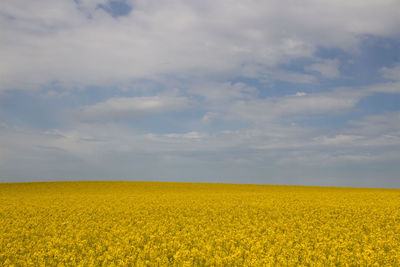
x,y
185,224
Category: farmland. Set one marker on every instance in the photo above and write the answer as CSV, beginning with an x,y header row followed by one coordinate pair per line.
x,y
178,224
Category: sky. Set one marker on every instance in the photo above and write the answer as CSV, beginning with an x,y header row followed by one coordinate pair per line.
x,y
266,92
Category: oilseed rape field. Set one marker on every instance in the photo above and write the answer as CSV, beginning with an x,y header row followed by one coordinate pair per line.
x,y
194,224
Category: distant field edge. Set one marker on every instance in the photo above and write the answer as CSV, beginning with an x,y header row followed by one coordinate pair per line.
x,y
6,181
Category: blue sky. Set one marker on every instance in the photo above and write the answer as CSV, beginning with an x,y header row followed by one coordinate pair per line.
x,y
269,92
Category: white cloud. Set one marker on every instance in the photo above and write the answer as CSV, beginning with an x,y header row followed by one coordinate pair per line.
x,y
210,117
386,125
388,87
224,91
274,108
189,135
392,73
201,45
328,68
78,44
104,150
338,139
288,76
131,107
301,94
248,108
337,101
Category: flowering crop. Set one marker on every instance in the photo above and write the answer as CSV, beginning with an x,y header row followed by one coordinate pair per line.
x,y
185,224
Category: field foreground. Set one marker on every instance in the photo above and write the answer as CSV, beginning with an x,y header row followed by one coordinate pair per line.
x,y
158,224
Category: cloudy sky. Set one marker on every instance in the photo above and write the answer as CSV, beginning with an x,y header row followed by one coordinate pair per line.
x,y
272,92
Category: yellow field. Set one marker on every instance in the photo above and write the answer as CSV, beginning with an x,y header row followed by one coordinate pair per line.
x,y
158,224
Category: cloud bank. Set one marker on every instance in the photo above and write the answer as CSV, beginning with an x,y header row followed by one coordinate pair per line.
x,y
272,92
